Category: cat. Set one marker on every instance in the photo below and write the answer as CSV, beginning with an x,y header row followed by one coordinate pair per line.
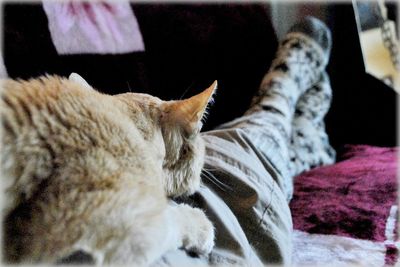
x,y
86,171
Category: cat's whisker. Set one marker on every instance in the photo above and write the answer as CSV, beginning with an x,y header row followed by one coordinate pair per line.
x,y
218,181
209,176
209,169
186,90
129,87
216,184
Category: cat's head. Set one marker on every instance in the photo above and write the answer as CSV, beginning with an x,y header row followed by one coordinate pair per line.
x,y
172,129
181,122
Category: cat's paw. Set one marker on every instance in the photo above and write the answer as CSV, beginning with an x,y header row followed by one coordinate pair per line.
x,y
199,236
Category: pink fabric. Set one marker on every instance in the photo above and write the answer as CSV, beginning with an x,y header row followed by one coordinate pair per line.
x,y
392,255
351,198
93,27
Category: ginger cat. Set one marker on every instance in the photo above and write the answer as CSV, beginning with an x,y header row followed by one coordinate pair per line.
x,y
85,171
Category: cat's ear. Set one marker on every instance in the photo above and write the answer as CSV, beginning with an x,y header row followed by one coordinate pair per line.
x,y
75,77
189,113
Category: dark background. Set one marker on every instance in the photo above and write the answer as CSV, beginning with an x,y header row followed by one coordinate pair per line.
x,y
189,46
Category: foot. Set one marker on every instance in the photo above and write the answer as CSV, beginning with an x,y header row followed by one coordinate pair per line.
x,y
301,58
316,101
304,52
309,142
316,30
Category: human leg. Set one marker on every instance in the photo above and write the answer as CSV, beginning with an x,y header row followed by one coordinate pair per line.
x,y
299,64
247,180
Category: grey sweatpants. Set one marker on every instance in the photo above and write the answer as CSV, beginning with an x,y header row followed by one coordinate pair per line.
x,y
244,198
243,195
248,189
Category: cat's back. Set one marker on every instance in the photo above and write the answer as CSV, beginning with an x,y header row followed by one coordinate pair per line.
x,y
68,154
52,124
58,117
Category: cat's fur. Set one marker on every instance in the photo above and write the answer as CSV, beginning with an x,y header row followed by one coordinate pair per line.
x,y
85,171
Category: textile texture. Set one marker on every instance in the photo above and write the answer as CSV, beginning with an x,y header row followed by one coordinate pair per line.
x,y
356,199
342,214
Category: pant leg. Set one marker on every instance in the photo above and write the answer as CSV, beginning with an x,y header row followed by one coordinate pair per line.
x,y
246,183
247,167
247,207
247,160
268,124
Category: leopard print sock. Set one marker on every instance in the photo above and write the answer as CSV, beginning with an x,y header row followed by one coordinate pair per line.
x,y
309,142
297,66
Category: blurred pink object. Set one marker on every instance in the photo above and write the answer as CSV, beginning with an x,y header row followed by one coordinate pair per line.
x,y
93,27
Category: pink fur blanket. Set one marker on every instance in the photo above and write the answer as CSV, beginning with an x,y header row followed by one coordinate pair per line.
x,y
346,213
